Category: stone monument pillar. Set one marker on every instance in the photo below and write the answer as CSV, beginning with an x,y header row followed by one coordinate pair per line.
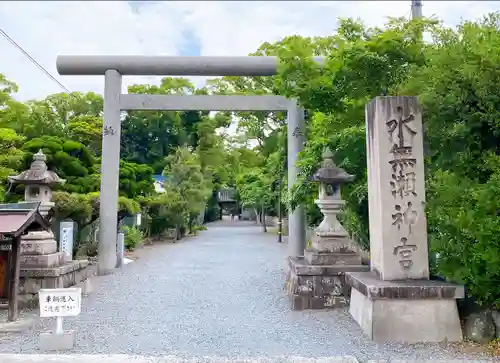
x,y
42,266
317,280
396,301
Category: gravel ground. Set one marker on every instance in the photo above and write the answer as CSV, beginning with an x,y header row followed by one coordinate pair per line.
x,y
218,294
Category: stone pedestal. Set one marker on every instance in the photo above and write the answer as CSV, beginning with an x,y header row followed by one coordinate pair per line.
x,y
42,267
51,341
396,301
410,311
319,286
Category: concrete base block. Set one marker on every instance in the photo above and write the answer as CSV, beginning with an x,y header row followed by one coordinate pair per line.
x,y
50,341
406,311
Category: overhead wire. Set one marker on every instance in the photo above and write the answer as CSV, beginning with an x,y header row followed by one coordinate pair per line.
x,y
33,60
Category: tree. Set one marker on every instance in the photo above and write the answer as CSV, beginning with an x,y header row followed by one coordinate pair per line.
x,y
255,190
148,137
185,177
70,159
87,130
135,180
459,91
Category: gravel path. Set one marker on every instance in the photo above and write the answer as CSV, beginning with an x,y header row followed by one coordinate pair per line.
x,y
218,294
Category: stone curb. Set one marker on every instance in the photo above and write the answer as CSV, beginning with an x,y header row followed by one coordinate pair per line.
x,y
434,361
117,358
84,358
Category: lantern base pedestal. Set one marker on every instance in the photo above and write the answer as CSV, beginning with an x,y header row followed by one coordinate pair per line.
x,y
42,267
318,286
409,311
319,258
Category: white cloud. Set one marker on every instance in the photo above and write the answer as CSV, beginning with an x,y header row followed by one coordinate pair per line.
x,y
49,28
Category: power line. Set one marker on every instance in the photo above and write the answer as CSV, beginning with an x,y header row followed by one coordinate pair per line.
x,y
33,60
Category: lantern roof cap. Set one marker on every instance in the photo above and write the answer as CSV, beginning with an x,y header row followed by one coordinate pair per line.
x,y
329,173
38,173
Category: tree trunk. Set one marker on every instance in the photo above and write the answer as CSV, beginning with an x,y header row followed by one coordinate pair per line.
x,y
263,214
191,223
177,232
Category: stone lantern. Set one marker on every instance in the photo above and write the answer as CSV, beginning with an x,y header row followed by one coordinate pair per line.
x,y
39,182
42,266
317,281
330,234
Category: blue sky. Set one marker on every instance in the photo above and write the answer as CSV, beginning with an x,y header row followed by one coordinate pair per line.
x,y
49,28
191,47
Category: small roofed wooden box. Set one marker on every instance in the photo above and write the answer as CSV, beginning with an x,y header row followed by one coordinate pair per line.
x,y
16,219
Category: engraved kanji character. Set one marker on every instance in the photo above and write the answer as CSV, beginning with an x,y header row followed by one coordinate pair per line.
x,y
55,299
70,298
297,132
56,309
397,218
402,163
403,184
108,130
400,123
406,252
63,299
409,216
48,298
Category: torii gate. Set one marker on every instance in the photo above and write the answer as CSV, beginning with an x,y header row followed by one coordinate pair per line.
x,y
114,67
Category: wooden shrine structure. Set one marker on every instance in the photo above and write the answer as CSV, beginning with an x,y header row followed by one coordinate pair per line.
x,y
16,219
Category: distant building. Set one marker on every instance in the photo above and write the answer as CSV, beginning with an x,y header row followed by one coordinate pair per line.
x,y
159,183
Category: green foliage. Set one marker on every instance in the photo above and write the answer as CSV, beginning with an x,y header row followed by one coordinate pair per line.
x,y
77,207
254,188
196,229
68,129
84,208
87,129
148,137
10,156
135,179
71,160
456,78
133,237
464,232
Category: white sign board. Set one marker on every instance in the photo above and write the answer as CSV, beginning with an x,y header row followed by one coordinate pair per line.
x,y
60,302
138,219
66,239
